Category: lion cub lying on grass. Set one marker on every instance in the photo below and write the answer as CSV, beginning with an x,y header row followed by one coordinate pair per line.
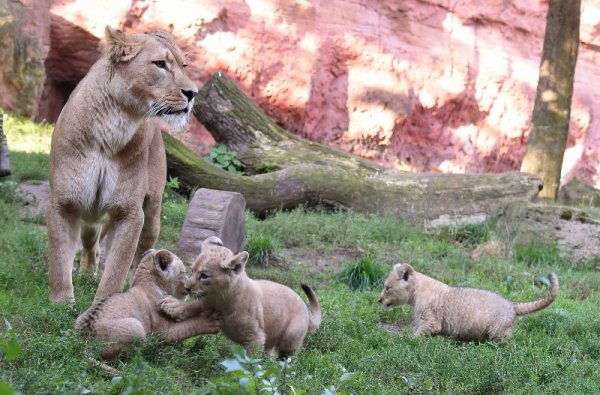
x,y
122,317
255,313
464,313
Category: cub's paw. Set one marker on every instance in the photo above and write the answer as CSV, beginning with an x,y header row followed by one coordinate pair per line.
x,y
212,321
174,308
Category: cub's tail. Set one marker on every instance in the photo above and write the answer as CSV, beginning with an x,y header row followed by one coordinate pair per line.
x,y
315,309
532,307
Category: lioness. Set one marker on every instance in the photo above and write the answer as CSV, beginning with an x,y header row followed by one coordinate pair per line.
x,y
107,158
464,313
122,317
255,313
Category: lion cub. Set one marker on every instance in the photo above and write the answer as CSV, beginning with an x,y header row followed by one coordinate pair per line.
x,y
255,313
122,317
464,313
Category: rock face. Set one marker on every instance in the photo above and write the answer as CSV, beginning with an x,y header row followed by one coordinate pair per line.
x,y
421,85
24,44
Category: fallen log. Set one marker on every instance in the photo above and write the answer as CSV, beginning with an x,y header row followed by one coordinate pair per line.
x,y
263,146
417,198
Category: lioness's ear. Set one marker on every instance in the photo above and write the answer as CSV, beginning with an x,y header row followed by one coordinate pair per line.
x,y
403,270
238,262
119,46
163,259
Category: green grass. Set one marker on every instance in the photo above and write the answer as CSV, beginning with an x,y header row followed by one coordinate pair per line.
x,y
554,351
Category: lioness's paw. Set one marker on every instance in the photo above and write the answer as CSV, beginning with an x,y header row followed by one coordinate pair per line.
x,y
212,321
173,307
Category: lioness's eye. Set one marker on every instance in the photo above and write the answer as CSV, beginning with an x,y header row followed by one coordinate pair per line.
x,y
202,276
387,288
160,64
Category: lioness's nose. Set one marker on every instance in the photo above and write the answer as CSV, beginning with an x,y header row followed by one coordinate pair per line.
x,y
190,94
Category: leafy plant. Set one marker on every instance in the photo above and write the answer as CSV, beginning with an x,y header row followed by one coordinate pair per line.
x,y
246,375
9,350
171,187
366,273
225,159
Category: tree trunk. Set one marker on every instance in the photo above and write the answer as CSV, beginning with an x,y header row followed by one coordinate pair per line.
x,y
262,146
417,198
551,112
4,159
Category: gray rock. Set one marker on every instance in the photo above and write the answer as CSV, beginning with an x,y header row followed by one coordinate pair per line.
x,y
212,213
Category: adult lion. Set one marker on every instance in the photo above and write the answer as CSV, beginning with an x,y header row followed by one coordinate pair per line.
x,y
107,158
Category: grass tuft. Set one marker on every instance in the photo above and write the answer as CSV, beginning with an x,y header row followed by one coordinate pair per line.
x,y
364,274
261,247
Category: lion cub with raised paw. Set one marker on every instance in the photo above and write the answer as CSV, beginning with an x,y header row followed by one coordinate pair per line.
x,y
255,313
125,316
463,313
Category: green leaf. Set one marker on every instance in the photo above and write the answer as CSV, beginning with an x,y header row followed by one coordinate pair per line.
x,y
239,352
6,389
232,365
12,349
237,163
244,381
221,148
231,169
544,280
349,377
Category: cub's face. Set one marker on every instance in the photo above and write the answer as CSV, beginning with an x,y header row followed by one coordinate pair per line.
x,y
167,270
148,72
399,286
216,270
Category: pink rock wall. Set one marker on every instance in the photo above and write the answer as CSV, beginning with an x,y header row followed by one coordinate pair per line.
x,y
416,84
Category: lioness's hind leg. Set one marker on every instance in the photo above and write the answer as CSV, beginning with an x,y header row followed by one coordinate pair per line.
x,y
90,240
63,233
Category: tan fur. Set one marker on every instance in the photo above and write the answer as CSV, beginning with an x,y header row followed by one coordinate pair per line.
x,y
107,158
123,317
464,313
255,313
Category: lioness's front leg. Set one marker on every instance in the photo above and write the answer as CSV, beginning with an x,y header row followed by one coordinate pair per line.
x,y
125,235
63,233
180,310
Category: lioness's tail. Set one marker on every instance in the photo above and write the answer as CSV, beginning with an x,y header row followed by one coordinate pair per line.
x,y
532,307
315,309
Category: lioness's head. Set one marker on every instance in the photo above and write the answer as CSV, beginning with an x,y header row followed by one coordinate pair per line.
x,y
147,75
399,286
163,268
216,270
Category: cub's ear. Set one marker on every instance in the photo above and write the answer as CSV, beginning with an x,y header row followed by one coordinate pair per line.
x,y
238,263
119,46
163,259
403,271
